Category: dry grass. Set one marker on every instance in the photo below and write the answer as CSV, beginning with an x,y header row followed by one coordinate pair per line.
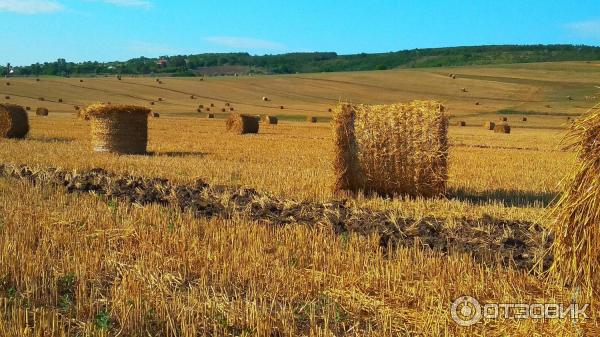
x,y
577,214
399,149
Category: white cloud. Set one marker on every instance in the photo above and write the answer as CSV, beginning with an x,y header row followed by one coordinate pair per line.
x,y
245,43
590,28
130,3
30,7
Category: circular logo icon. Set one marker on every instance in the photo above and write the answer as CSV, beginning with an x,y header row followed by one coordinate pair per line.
x,y
465,311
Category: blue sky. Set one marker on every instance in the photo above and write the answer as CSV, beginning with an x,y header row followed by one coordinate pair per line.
x,y
106,30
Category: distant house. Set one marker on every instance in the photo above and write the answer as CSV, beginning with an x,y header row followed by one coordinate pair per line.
x,y
162,62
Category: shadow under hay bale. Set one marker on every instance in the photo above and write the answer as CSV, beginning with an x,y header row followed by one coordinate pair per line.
x,y
273,120
42,112
489,126
502,128
242,124
383,149
576,215
210,116
14,122
119,129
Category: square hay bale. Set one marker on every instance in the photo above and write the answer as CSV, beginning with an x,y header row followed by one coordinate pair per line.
x,y
41,112
461,123
242,124
118,128
14,122
210,116
273,120
502,128
575,218
311,119
489,126
398,149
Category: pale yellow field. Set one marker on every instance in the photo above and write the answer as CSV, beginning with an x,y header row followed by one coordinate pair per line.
x,y
156,271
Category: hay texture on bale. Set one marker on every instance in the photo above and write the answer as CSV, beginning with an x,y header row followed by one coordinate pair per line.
x,y
14,122
118,128
502,128
42,112
576,215
242,124
398,149
489,126
273,120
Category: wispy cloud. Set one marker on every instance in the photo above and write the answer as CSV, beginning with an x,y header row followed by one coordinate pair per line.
x,y
30,7
244,43
589,28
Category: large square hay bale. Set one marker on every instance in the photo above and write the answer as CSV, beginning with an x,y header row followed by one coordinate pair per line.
x,y
14,122
576,215
41,112
118,128
242,124
398,149
502,128
489,126
273,120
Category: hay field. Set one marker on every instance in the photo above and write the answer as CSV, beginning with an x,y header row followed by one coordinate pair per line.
x,y
78,264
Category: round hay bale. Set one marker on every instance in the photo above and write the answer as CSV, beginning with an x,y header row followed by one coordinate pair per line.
x,y
155,114
570,98
227,104
157,80
76,107
461,123
37,79
223,110
60,100
273,120
524,119
119,129
281,107
266,99
453,77
119,77
14,122
330,110
192,97
201,106
231,109
207,109
27,108
489,126
41,99
41,112
477,103
7,83
504,119
210,116
311,119
160,99
152,103
7,97
242,124
212,105
463,89
80,81
502,128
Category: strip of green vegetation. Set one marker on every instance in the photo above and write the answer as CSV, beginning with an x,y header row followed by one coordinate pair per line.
x,y
534,113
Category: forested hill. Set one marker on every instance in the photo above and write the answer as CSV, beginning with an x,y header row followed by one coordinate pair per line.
x,y
244,63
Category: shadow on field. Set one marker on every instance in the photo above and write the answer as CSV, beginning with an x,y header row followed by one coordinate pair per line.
x,y
177,154
52,139
503,196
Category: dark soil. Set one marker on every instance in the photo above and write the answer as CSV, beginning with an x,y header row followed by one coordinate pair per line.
x,y
490,241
